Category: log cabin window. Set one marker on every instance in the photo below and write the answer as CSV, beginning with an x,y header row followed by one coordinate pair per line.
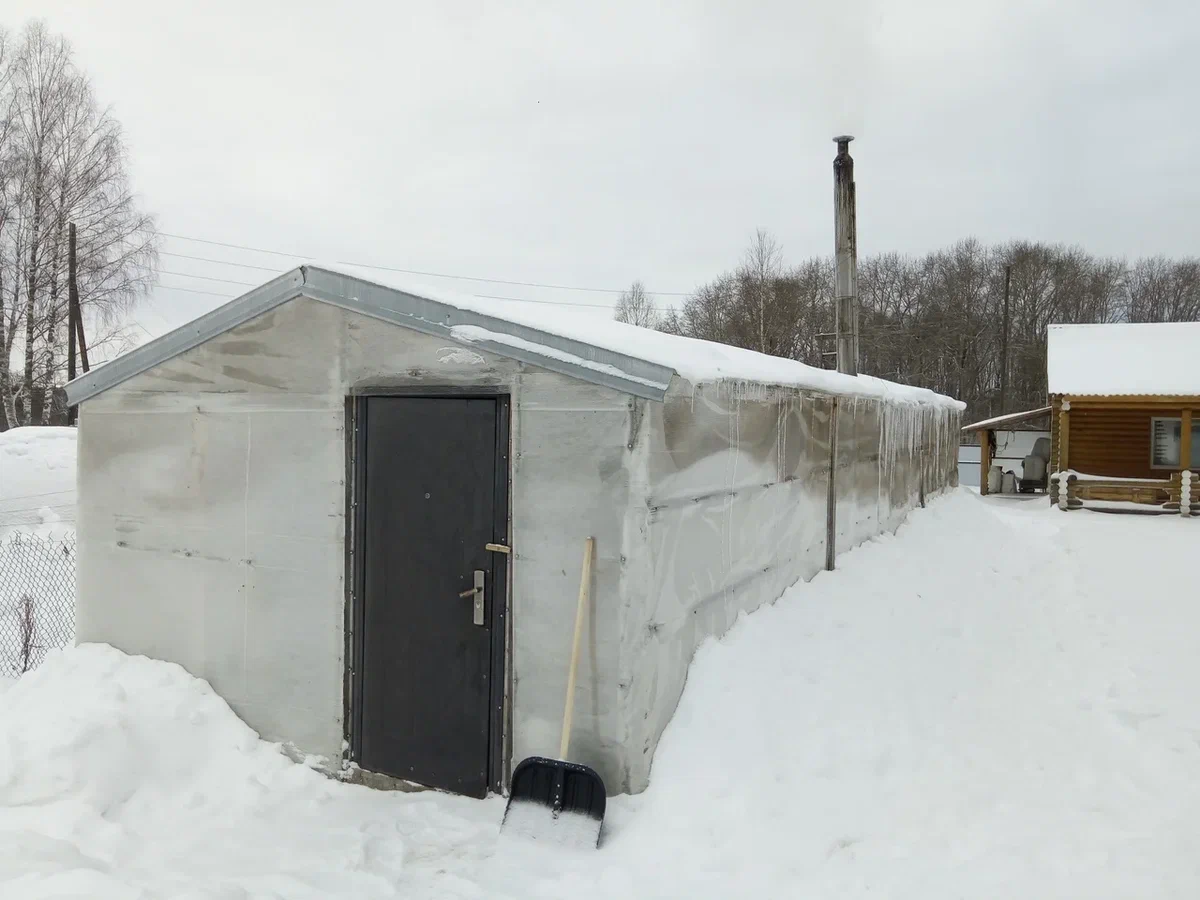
x,y
1164,443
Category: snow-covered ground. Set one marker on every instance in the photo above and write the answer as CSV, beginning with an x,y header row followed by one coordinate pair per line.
x,y
996,702
37,480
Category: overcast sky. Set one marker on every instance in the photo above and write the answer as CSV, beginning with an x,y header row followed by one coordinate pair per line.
x,y
592,144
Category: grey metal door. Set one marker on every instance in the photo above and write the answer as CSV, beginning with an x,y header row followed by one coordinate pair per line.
x,y
431,484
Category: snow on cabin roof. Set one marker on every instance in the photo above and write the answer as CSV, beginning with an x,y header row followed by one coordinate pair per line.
x,y
637,361
1124,359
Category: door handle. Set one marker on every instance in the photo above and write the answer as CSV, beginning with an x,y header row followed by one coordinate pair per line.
x,y
477,593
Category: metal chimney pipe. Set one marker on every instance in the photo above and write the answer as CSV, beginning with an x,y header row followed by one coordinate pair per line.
x,y
846,253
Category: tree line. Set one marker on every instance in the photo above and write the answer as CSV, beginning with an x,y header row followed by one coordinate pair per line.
x,y
935,320
62,160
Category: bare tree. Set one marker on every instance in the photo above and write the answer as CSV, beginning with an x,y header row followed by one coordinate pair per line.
x,y
62,160
760,271
1163,290
636,307
936,320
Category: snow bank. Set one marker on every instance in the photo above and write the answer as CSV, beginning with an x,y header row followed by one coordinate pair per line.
x,y
693,360
1142,358
974,707
125,777
997,701
37,480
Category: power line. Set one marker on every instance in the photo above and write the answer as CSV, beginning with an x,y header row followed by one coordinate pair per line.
x,y
171,287
220,262
184,237
210,278
532,284
604,306
421,272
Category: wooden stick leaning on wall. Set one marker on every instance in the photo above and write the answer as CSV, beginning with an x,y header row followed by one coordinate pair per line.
x,y
585,581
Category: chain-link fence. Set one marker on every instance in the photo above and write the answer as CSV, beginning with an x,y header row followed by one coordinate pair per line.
x,y
37,598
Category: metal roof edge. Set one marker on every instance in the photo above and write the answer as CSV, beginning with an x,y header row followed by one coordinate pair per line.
x,y
627,374
229,315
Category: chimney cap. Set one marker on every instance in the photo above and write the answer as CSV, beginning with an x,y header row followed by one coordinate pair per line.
x,y
843,138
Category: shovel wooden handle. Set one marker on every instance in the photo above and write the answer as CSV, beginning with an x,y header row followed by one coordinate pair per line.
x,y
580,614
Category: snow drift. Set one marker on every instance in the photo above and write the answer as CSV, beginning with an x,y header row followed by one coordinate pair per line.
x,y
987,704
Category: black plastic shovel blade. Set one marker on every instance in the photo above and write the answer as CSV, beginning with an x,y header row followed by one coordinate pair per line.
x,y
555,801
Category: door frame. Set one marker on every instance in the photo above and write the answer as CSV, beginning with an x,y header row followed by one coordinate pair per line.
x,y
500,619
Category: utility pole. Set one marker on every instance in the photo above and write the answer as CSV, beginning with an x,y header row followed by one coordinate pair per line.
x,y
1004,346
845,245
846,253
83,359
72,313
75,337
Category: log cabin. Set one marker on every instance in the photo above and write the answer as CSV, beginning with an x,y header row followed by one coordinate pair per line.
x,y
1125,416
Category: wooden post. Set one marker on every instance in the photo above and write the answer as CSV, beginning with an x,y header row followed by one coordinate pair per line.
x,y
1064,431
83,358
1004,346
985,459
72,314
1185,440
831,498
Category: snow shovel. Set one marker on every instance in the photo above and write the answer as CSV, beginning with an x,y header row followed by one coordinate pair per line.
x,y
551,799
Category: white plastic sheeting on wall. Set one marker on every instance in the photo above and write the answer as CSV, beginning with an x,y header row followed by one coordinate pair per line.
x,y
212,520
736,482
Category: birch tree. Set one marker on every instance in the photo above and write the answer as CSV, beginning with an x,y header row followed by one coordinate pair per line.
x,y
636,307
62,160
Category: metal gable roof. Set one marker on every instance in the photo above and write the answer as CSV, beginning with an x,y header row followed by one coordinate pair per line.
x,y
573,358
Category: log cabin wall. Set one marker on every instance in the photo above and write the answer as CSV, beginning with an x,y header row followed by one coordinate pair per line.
x,y
1056,464
1112,440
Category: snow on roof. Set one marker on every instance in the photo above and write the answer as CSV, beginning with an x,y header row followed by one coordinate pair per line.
x,y
1124,359
1009,419
637,360
692,359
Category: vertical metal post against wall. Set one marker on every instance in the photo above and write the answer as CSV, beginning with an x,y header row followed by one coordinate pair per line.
x,y
846,254
831,498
